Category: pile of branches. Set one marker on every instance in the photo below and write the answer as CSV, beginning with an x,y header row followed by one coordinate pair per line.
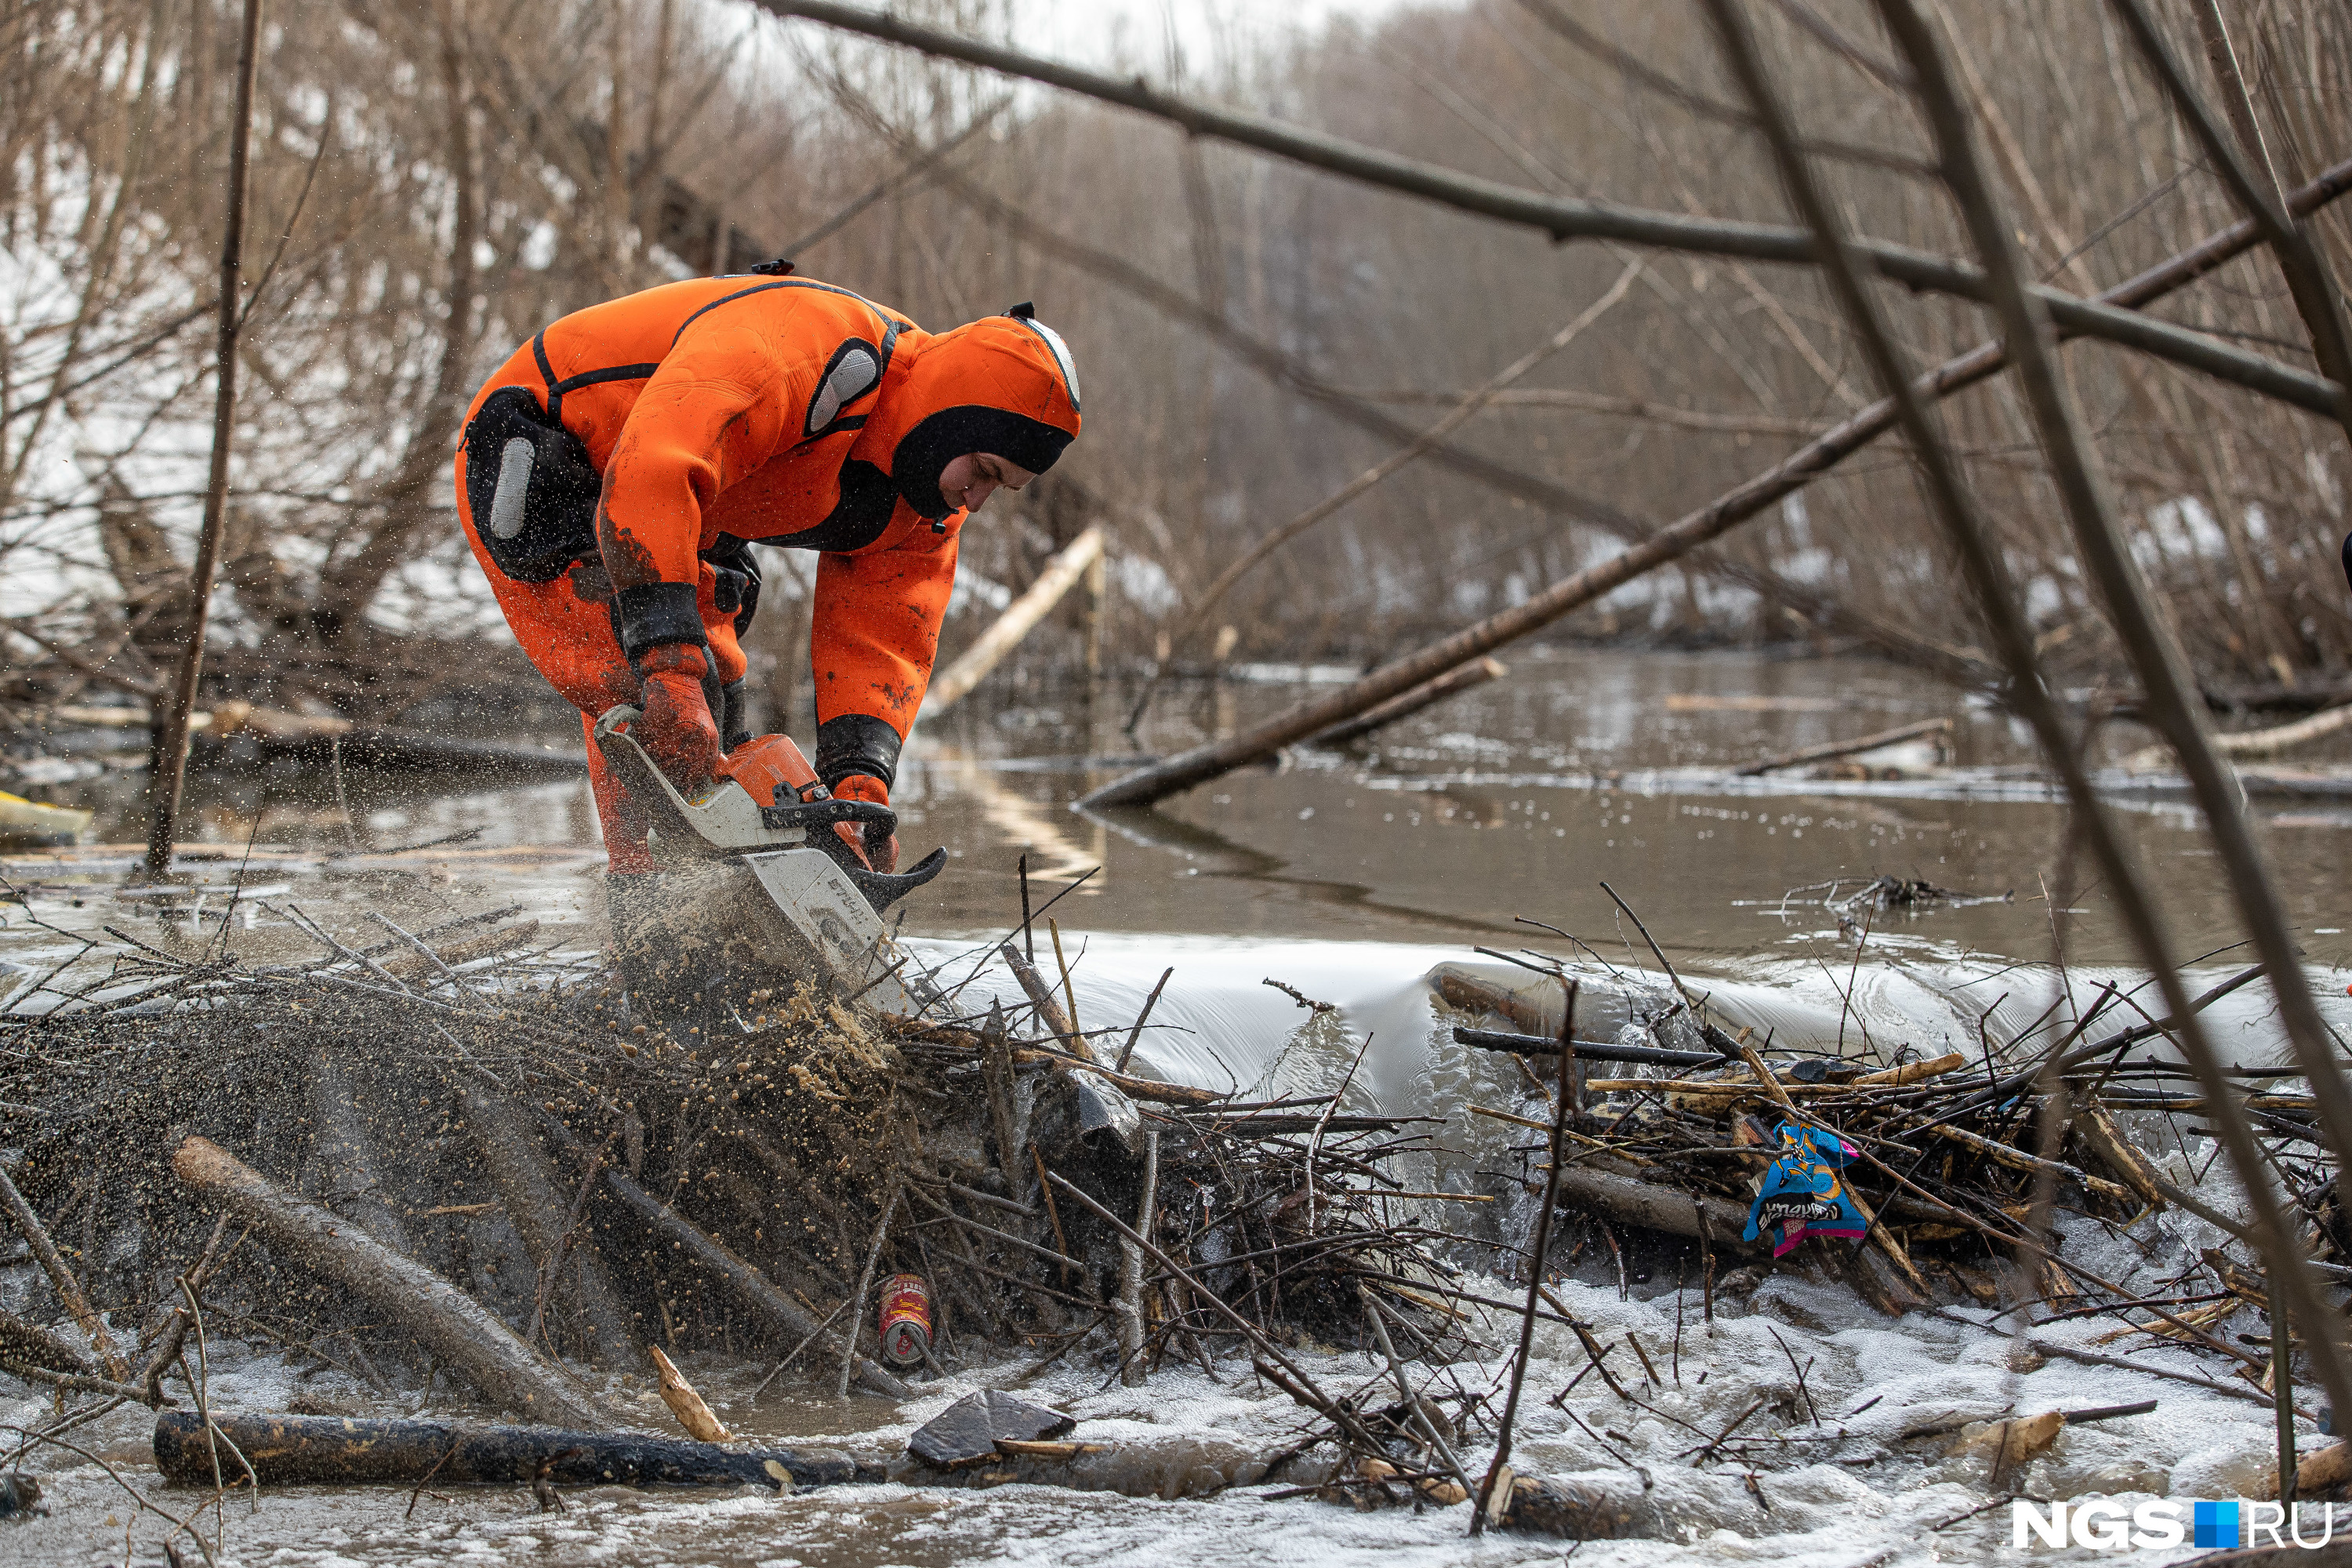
x,y
1958,1165
471,1116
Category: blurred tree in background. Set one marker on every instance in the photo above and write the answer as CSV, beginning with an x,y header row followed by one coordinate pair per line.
x,y
435,179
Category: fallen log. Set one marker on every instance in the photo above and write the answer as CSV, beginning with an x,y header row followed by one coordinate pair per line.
x,y
444,1320
1587,1050
314,737
748,1284
2321,1474
1476,993
1658,1207
1837,749
2256,743
326,1450
1428,693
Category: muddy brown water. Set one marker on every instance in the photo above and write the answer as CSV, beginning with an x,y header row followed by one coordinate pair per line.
x,y
1496,804
1350,875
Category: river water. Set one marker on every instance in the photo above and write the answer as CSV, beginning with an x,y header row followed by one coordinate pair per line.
x,y
1353,879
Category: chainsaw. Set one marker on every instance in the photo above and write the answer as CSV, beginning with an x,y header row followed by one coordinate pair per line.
x,y
767,808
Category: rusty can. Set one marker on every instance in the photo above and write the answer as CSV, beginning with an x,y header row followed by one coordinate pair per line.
x,y
906,1326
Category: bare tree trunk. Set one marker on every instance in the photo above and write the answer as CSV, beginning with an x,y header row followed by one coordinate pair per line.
x,y
169,768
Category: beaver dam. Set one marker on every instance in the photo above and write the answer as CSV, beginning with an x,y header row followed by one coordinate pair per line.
x,y
441,1221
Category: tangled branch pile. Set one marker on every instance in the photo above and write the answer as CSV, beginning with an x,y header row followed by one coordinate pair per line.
x,y
495,1113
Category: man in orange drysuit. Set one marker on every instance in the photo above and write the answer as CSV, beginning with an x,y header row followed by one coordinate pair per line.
x,y
615,469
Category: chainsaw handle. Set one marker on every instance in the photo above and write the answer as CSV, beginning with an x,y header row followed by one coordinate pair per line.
x,y
815,814
882,888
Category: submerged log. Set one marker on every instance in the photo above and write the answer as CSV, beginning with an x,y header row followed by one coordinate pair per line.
x,y
326,1450
442,1318
1165,1468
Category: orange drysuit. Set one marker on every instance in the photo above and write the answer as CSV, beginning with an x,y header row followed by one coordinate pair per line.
x,y
614,468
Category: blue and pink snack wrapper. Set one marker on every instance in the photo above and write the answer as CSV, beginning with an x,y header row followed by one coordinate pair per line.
x,y
1802,1194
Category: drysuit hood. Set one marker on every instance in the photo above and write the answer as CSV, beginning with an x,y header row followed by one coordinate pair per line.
x,y
1005,384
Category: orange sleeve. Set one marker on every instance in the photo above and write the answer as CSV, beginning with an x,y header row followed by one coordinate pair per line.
x,y
872,637
716,410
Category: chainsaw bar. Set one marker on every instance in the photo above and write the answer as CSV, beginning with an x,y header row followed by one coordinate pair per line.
x,y
830,906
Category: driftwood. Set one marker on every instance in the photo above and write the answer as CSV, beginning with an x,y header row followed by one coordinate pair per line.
x,y
2321,1474
324,1451
442,1318
1476,993
685,1403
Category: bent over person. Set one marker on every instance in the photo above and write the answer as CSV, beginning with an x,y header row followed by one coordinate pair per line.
x,y
660,434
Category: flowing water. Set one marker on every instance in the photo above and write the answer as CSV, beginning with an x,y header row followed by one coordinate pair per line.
x,y
1352,879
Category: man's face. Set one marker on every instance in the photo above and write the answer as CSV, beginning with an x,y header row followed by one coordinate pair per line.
x,y
970,479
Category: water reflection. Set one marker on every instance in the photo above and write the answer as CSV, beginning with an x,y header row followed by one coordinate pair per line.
x,y
1517,798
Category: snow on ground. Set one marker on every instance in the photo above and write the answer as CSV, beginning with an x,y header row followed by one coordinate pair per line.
x,y
1849,1492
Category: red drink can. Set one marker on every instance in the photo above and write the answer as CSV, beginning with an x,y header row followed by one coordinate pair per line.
x,y
906,1326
